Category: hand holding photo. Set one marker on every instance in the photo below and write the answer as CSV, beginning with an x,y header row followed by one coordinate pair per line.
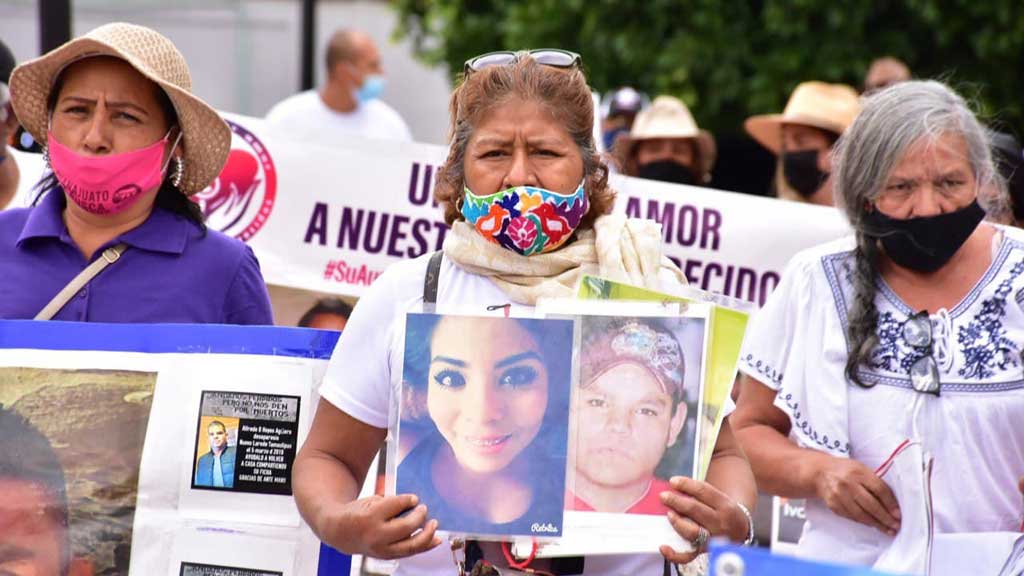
x,y
488,456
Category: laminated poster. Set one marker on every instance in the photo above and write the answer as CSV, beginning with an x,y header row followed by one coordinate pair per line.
x,y
482,431
728,324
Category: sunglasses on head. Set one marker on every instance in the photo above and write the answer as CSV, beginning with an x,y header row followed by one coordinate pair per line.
x,y
545,56
924,372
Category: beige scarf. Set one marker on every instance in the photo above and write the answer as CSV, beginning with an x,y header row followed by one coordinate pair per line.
x,y
618,248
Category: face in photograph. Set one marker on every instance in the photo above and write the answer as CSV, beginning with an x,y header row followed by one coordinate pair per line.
x,y
487,389
626,422
218,435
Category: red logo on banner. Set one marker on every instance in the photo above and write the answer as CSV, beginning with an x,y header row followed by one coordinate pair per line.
x,y
240,200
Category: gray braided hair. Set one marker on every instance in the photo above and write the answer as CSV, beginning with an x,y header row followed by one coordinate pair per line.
x,y
890,122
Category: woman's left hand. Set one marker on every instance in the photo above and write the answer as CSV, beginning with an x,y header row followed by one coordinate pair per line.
x,y
696,504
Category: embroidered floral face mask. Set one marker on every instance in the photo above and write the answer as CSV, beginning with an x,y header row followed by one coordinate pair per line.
x,y
525,219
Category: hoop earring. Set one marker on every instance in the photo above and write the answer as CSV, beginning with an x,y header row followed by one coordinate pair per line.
x,y
179,172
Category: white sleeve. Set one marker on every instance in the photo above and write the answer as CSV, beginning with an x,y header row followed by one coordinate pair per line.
x,y
770,334
795,345
358,378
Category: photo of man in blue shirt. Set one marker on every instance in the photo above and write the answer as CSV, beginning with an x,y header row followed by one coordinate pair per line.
x,y
216,468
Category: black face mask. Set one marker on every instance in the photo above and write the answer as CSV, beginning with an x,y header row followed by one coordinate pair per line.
x,y
801,171
924,244
666,171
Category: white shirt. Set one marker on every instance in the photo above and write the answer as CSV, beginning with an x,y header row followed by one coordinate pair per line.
x,y
797,345
358,379
305,117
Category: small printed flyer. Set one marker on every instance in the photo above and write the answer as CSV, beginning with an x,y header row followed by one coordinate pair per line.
x,y
191,569
246,442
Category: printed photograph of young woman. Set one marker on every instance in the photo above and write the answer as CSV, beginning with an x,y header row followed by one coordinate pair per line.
x,y
492,458
636,411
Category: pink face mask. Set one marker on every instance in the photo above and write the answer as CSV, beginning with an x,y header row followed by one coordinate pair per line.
x,y
110,183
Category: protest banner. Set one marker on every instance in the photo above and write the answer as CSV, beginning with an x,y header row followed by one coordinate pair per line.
x,y
121,429
330,220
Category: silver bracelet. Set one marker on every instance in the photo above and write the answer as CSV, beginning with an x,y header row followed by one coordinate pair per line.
x,y
750,524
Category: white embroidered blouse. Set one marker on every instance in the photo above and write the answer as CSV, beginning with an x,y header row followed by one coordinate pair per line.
x,y
797,345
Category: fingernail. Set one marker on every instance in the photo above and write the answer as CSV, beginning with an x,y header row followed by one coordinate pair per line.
x,y
421,508
413,500
665,496
672,515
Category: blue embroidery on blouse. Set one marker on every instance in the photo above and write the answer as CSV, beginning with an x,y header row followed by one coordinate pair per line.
x,y
764,369
983,341
808,430
893,354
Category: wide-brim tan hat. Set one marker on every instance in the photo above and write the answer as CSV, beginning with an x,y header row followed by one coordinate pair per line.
x,y
207,138
668,117
821,105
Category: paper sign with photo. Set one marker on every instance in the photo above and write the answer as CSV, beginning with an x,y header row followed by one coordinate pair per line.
x,y
246,442
70,445
246,427
482,430
728,324
636,420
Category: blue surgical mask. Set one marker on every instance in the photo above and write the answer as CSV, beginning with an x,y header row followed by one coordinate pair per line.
x,y
373,87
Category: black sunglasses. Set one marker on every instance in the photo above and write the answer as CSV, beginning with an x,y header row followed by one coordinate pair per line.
x,y
924,372
545,56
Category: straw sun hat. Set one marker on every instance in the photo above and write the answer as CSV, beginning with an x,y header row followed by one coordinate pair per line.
x,y
830,107
206,136
668,117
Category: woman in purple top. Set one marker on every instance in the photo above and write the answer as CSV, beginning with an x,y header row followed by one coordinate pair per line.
x,y
128,144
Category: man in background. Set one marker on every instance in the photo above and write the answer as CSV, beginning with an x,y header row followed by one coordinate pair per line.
x,y
216,468
327,314
34,536
348,104
9,173
885,72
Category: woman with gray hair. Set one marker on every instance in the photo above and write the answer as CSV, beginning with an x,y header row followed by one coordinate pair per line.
x,y
911,329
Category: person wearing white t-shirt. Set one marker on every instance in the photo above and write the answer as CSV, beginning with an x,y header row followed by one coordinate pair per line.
x,y
528,201
348,104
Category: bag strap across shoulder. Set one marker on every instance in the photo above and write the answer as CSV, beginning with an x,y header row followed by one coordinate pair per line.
x,y
109,256
431,279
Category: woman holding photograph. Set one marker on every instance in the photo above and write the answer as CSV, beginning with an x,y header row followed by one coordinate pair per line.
x,y
497,395
527,197
910,329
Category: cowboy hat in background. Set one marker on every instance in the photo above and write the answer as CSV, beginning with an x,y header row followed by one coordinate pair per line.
x,y
668,117
830,107
207,138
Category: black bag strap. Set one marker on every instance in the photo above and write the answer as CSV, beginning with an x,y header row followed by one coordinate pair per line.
x,y
431,279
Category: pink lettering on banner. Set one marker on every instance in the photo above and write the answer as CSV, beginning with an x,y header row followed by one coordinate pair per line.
x,y
340,271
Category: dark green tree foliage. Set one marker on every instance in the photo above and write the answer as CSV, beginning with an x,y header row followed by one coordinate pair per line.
x,y
729,59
